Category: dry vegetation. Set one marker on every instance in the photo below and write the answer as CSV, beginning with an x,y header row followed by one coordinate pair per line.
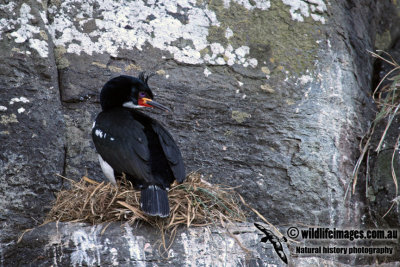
x,y
387,99
192,203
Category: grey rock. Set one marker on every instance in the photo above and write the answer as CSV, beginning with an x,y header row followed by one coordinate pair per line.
x,y
77,244
31,130
266,96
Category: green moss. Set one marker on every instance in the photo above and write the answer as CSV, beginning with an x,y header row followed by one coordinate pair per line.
x,y
271,34
204,51
240,116
383,40
61,61
382,173
217,35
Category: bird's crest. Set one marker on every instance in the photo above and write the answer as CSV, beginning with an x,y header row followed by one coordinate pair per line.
x,y
144,77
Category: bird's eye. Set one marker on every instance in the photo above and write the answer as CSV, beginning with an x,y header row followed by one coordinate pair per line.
x,y
142,94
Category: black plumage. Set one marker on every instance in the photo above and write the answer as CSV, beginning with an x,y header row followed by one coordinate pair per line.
x,y
133,143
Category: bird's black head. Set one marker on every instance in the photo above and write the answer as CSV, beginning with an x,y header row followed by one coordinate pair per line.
x,y
130,92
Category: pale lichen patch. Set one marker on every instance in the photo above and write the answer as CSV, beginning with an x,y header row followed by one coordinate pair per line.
x,y
114,69
267,88
240,116
250,5
114,31
19,99
25,31
290,102
6,119
207,72
100,65
132,67
304,79
161,72
266,70
61,61
299,9
228,33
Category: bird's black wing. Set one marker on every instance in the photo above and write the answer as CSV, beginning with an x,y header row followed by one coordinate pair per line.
x,y
171,151
122,143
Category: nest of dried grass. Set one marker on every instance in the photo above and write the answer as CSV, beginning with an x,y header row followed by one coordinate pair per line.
x,y
192,203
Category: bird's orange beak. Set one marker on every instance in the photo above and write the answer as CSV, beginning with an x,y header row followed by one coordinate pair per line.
x,y
147,102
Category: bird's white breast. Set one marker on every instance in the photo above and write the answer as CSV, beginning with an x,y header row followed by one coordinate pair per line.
x,y
107,170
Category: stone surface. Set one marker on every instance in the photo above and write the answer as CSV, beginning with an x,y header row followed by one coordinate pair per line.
x,y
77,244
31,124
269,96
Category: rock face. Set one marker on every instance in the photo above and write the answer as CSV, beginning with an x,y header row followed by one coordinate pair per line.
x,y
31,124
123,245
270,96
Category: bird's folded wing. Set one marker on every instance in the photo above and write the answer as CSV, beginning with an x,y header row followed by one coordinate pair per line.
x,y
127,152
171,151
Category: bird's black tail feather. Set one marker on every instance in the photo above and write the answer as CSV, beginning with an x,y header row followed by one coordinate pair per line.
x,y
154,201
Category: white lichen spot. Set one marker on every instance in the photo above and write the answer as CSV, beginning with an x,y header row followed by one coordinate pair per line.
x,y
317,17
116,31
3,108
266,70
26,31
242,51
240,83
114,256
299,9
220,61
228,33
21,110
40,46
20,99
253,62
304,79
261,4
207,72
